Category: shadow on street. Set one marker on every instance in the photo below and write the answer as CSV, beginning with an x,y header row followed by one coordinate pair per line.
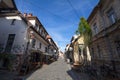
x,y
75,75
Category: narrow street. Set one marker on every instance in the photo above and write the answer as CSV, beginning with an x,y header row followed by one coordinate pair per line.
x,y
58,70
59,39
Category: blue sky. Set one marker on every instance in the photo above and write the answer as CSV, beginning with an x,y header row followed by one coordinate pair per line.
x,y
57,16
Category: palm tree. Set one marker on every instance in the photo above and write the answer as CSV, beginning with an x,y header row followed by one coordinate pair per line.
x,y
85,31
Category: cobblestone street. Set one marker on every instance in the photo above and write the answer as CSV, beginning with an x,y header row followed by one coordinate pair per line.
x,y
58,70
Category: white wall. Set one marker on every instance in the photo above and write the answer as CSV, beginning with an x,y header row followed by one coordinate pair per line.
x,y
32,22
43,44
39,39
19,28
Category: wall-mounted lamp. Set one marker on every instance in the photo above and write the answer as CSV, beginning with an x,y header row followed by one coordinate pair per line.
x,y
54,51
70,49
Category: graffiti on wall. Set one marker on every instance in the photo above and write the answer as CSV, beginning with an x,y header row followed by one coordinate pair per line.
x,y
18,48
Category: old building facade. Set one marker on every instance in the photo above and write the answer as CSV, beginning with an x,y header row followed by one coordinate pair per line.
x,y
41,45
24,36
13,31
76,53
105,24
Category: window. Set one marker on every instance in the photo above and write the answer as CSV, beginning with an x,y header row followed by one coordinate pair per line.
x,y
99,51
95,29
40,45
118,47
36,26
111,16
92,49
13,22
35,57
52,50
33,43
80,48
40,30
44,34
10,41
46,49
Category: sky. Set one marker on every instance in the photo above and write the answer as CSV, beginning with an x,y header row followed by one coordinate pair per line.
x,y
59,17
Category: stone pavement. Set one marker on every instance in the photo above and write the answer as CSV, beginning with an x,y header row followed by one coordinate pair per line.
x,y
5,75
58,70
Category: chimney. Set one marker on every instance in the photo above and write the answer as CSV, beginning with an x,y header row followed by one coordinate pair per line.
x,y
25,14
30,14
48,37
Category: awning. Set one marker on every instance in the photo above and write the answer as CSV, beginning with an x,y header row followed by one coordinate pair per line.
x,y
35,51
7,5
38,51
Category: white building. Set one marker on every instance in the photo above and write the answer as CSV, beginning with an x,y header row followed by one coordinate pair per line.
x,y
40,39
13,30
22,35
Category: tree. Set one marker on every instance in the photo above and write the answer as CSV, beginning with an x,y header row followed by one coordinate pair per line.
x,y
85,31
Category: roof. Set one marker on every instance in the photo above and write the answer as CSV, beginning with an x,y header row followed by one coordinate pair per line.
x,y
7,5
34,17
75,37
92,14
94,11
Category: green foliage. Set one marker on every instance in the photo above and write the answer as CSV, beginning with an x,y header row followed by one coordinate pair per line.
x,y
85,31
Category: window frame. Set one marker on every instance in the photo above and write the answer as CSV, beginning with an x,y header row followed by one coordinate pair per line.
x,y
40,45
33,43
10,41
111,16
95,28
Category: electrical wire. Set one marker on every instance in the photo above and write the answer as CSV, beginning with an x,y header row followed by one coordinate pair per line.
x,y
75,11
50,12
